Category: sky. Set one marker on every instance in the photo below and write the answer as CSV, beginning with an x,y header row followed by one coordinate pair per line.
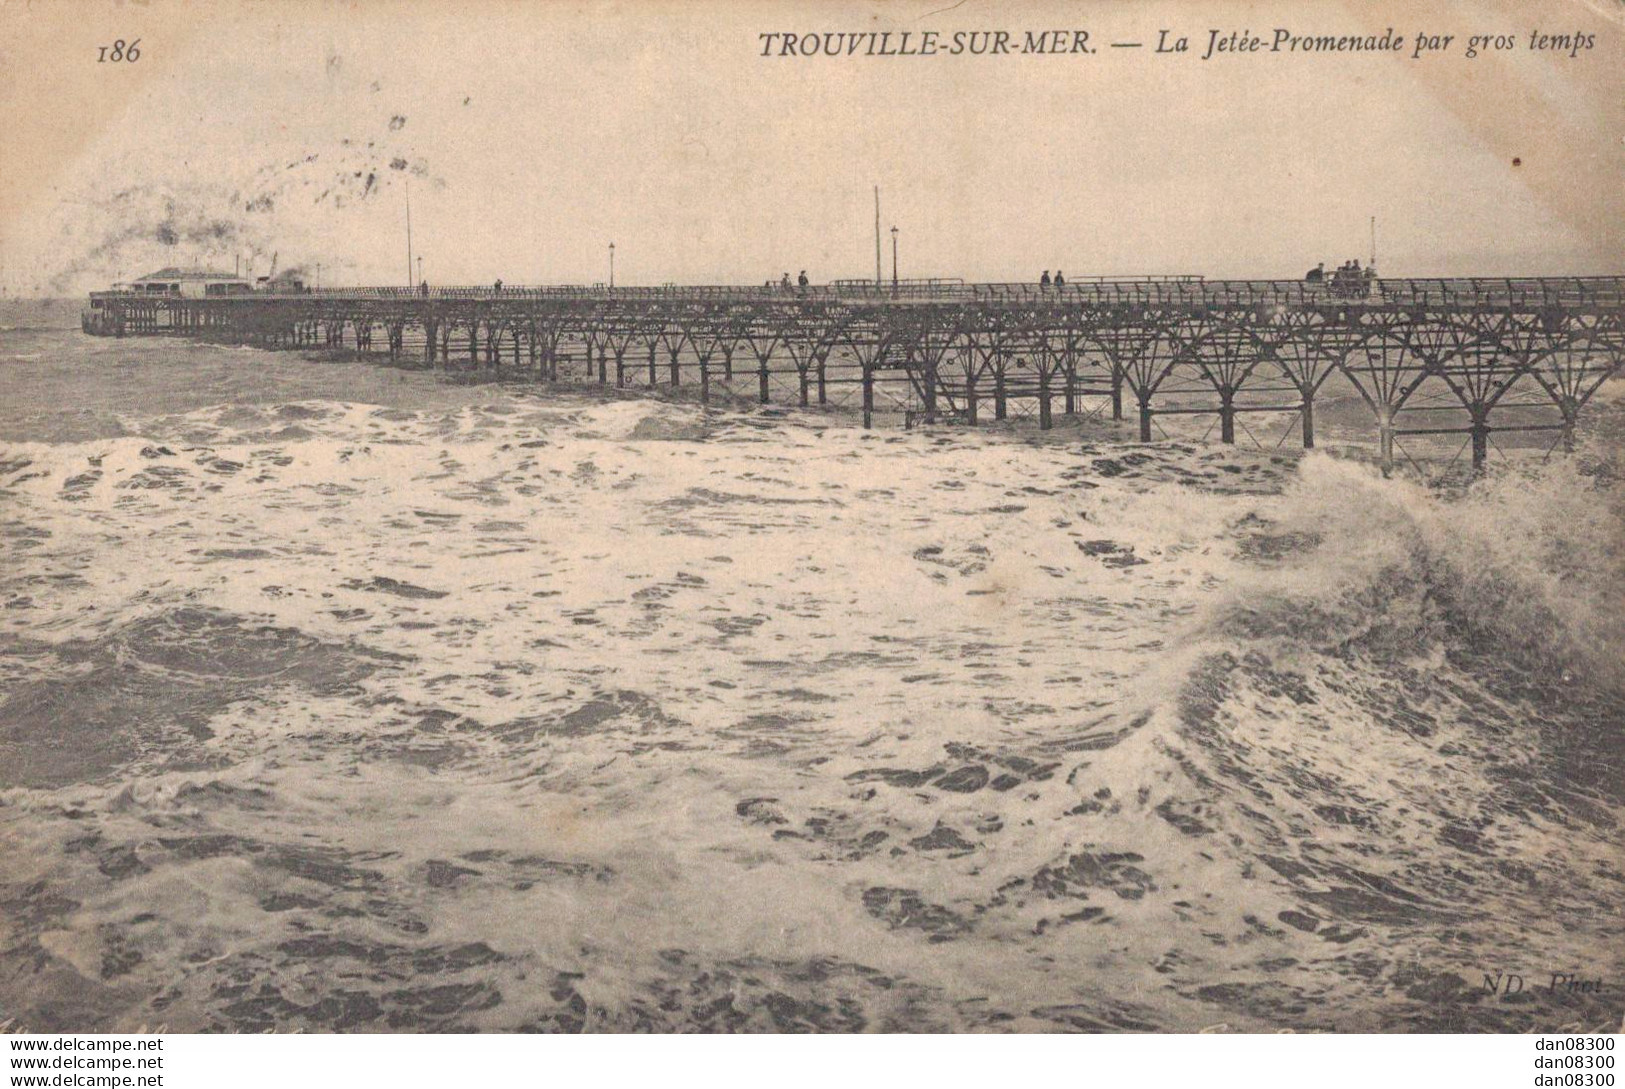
x,y
531,136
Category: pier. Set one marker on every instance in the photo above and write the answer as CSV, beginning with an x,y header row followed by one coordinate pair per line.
x,y
1429,357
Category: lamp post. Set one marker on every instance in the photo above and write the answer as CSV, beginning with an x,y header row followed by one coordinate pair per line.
x,y
612,266
420,270
894,260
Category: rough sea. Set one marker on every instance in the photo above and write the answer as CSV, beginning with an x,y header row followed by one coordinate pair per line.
x,y
337,697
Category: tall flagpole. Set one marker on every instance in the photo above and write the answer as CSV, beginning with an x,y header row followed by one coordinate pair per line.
x,y
408,233
877,235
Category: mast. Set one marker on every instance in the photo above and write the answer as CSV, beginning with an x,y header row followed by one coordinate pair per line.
x,y
877,235
408,232
1373,241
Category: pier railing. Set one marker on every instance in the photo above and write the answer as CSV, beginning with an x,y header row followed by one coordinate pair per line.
x,y
1167,290
1176,290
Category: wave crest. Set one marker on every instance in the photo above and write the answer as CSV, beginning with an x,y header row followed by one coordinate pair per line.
x,y
1523,566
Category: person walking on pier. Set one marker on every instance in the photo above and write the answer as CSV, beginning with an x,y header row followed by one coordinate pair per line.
x,y
1060,279
802,280
497,287
784,281
1043,281
1316,274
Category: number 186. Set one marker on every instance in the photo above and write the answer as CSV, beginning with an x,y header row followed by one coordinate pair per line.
x,y
119,51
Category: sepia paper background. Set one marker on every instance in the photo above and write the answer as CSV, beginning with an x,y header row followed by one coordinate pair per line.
x,y
542,131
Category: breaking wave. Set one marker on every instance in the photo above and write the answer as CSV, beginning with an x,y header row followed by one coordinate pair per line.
x,y
1522,567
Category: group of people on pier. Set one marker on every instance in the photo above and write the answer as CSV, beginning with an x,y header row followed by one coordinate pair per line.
x,y
1059,281
1347,279
785,285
